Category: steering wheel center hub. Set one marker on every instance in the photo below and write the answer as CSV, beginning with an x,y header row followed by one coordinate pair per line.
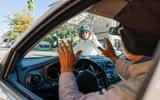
x,y
87,81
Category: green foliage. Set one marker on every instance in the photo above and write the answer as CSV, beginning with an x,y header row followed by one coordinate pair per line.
x,y
19,23
12,36
31,5
66,31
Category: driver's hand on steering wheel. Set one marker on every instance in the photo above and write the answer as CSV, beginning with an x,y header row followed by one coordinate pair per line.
x,y
108,51
66,56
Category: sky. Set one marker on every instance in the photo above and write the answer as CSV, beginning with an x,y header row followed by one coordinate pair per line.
x,y
9,7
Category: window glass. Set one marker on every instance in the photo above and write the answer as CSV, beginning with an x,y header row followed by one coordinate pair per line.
x,y
99,27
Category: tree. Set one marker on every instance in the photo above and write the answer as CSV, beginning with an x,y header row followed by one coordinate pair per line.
x,y
31,5
66,31
19,23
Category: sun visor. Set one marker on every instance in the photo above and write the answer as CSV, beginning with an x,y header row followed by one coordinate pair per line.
x,y
108,8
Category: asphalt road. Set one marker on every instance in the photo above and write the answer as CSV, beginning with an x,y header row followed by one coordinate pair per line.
x,y
3,52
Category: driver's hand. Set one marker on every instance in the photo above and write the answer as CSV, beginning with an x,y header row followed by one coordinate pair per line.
x,y
108,51
67,57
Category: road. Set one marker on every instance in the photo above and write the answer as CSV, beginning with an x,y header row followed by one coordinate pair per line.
x,y
33,53
3,52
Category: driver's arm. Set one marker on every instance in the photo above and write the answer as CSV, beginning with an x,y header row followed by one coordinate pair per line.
x,y
68,90
122,67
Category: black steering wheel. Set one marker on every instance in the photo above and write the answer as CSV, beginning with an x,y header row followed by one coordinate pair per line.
x,y
89,75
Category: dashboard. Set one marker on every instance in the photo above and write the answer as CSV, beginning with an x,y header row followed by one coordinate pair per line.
x,y
43,73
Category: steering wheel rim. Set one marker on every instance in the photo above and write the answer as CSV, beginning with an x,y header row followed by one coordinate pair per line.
x,y
96,67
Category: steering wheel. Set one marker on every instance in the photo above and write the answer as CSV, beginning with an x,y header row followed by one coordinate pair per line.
x,y
88,76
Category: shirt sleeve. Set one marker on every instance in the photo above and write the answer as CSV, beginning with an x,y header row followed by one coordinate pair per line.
x,y
68,90
122,67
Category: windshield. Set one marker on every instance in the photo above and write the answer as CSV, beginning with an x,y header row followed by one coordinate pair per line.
x,y
85,31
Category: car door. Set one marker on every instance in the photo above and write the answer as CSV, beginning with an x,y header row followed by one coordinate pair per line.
x,y
151,86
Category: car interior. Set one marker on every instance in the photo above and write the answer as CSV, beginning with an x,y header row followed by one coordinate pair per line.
x,y
37,71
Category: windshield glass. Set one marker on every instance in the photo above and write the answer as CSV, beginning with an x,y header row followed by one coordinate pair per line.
x,y
85,31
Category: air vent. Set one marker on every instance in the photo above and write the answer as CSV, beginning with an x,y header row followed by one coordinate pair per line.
x,y
35,79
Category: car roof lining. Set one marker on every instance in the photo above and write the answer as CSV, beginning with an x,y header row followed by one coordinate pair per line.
x,y
108,8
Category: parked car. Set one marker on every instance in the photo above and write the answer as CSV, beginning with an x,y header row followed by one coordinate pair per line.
x,y
4,45
26,77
